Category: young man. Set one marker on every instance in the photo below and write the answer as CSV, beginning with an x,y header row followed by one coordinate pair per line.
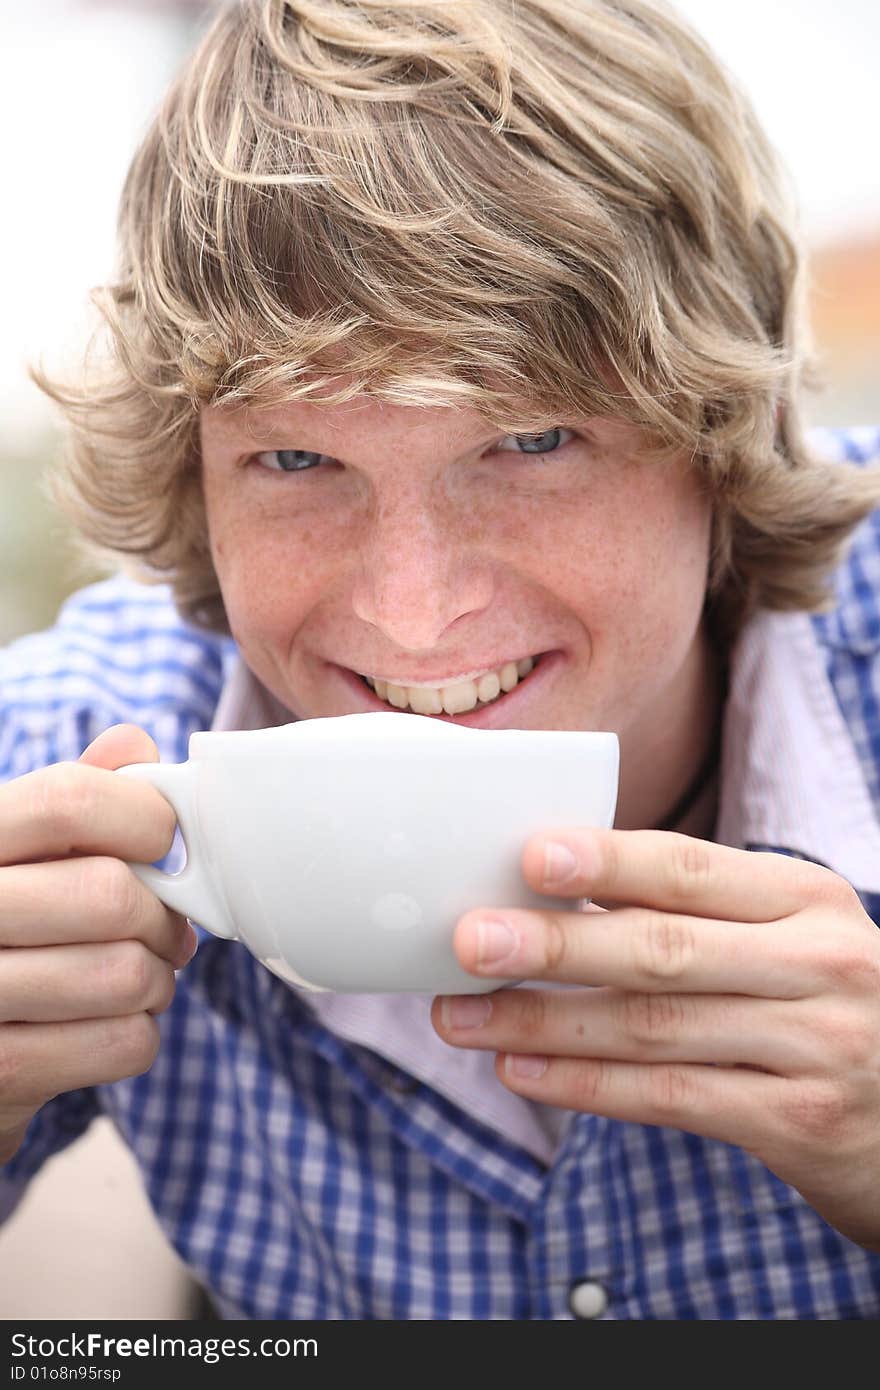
x,y
455,363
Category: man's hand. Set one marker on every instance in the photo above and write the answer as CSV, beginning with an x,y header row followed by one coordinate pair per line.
x,y
87,953
732,994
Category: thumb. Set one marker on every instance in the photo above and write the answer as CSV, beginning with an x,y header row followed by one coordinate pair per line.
x,y
119,745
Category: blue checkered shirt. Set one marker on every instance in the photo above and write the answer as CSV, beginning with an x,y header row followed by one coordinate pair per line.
x,y
300,1176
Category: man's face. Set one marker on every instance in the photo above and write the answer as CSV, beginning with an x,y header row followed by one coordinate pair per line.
x,y
419,546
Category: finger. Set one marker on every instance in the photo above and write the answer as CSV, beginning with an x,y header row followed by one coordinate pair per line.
x,y
120,745
88,899
74,808
724,1030
656,952
680,873
734,1106
41,1060
57,984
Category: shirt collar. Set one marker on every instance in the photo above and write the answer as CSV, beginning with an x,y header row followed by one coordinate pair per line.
x,y
790,774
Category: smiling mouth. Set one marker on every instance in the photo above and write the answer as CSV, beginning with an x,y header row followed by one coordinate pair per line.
x,y
459,698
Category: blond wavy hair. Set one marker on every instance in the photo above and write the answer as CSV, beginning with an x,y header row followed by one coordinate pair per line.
x,y
543,209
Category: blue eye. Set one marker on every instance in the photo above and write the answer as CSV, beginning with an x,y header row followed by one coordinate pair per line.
x,y
304,460
290,460
545,443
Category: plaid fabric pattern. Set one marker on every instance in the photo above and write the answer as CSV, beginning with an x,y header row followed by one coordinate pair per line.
x,y
303,1177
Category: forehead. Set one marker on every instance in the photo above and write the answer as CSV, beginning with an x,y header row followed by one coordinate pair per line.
x,y
351,417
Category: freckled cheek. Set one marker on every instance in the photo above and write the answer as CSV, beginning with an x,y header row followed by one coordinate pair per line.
x,y
533,520
663,583
646,573
270,575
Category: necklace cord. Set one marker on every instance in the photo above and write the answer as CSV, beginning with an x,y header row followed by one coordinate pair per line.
x,y
707,770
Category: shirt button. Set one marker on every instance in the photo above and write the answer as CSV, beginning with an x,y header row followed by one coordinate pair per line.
x,y
587,1299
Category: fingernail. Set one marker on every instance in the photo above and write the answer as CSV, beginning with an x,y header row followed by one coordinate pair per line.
x,y
527,1067
190,943
496,940
560,865
465,1011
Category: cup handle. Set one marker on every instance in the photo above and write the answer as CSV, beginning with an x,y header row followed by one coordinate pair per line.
x,y
190,892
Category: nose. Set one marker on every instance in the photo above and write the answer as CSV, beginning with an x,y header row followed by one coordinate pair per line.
x,y
420,569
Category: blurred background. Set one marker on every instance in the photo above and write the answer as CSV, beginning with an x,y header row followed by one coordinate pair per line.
x,y
80,80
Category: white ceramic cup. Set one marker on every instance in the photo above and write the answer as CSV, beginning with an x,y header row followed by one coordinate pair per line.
x,y
342,851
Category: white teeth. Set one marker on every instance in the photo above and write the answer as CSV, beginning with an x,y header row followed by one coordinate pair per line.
x,y
458,698
509,676
425,701
488,687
